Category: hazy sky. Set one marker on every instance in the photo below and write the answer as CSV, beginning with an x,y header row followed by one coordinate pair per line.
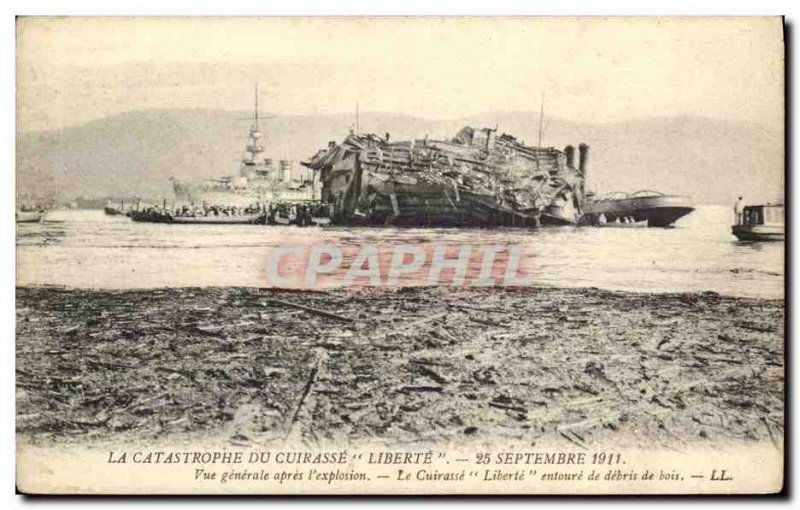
x,y
72,70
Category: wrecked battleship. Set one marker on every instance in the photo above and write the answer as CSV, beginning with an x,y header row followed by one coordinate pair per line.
x,y
476,178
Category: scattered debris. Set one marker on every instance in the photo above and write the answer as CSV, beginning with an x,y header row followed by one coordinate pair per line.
x,y
306,389
309,309
186,361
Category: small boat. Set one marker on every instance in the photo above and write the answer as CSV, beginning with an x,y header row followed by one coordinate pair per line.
x,y
561,213
163,217
301,214
119,209
282,219
320,221
112,211
761,223
622,223
149,216
23,216
279,219
236,219
657,209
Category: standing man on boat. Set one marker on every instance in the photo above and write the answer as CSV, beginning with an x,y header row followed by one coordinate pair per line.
x,y
738,209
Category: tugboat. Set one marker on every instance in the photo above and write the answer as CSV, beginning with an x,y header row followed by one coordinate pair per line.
x,y
761,223
113,210
657,209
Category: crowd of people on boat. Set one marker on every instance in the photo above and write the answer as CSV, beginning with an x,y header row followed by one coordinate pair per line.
x,y
298,214
619,220
302,214
187,211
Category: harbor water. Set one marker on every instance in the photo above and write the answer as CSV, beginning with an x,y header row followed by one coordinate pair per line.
x,y
87,249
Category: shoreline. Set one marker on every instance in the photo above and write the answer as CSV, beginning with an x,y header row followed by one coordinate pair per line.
x,y
400,366
394,289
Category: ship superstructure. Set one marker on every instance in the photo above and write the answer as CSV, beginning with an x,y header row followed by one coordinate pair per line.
x,y
259,179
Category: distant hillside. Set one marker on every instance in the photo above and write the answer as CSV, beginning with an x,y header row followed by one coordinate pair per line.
x,y
135,153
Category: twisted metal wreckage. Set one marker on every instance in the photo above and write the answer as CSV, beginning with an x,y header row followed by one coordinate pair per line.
x,y
475,178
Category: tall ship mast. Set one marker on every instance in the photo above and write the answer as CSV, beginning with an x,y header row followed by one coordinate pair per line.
x,y
253,164
259,179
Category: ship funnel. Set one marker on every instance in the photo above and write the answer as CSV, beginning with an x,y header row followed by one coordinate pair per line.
x,y
490,138
583,157
569,152
285,167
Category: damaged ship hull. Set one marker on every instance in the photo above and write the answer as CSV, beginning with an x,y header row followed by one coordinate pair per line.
x,y
436,208
476,179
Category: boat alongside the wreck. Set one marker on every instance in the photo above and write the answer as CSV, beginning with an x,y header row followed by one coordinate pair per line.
x,y
160,216
474,179
653,207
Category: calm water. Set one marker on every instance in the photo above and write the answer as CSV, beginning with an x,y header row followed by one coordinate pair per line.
x,y
90,249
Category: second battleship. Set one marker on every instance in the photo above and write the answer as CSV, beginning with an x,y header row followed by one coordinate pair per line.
x,y
259,193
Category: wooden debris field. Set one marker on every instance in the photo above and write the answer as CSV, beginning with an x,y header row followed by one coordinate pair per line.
x,y
402,366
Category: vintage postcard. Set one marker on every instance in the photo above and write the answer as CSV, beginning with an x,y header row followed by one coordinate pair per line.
x,y
400,255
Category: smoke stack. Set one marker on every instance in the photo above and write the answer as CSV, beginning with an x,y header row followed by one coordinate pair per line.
x,y
583,157
569,152
285,168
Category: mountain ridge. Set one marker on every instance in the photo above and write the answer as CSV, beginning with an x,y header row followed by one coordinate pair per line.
x,y
135,153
